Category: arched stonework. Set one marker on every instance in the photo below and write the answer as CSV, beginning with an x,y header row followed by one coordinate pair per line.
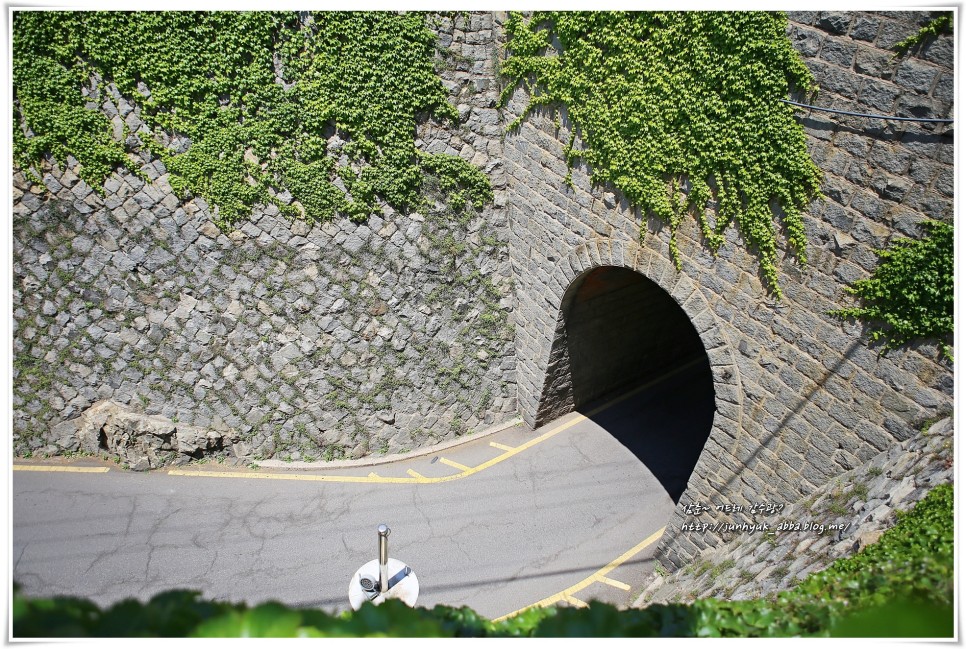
x,y
800,396
651,264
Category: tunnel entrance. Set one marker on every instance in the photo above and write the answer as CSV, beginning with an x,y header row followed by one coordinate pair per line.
x,y
620,335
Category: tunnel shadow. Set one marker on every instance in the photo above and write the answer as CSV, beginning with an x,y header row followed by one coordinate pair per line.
x,y
665,422
621,335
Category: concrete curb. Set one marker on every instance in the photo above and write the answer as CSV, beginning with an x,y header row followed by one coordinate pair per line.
x,y
388,459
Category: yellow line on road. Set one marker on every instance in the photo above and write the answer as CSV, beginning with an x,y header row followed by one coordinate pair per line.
x,y
579,603
63,469
567,594
519,449
614,583
415,478
502,447
455,465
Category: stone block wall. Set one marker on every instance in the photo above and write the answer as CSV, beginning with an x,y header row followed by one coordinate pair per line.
x,y
800,539
801,397
304,341
346,339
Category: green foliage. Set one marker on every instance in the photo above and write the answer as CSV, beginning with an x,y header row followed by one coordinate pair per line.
x,y
941,25
913,561
901,586
910,294
680,111
337,132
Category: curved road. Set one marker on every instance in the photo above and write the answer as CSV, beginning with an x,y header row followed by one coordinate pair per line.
x,y
566,513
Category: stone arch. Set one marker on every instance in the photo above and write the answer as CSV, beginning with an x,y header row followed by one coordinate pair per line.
x,y
557,394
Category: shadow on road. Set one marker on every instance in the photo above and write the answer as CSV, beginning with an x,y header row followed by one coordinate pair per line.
x,y
427,589
665,424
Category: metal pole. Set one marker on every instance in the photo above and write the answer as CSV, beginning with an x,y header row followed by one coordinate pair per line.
x,y
383,558
845,112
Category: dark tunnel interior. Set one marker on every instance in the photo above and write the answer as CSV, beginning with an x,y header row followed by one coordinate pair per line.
x,y
626,335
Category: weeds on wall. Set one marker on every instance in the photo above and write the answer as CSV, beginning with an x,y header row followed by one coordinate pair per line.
x,y
681,112
317,116
940,25
910,294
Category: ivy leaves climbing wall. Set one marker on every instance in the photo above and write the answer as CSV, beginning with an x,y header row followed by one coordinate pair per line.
x,y
242,106
910,294
667,101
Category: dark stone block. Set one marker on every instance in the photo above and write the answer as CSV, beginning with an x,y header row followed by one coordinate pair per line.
x,y
916,76
945,151
868,204
838,53
944,89
918,106
892,32
879,96
837,191
890,158
945,182
807,42
859,174
849,273
931,204
837,163
922,171
918,18
834,22
838,217
939,51
804,17
819,126
891,188
854,144
836,80
865,29
907,222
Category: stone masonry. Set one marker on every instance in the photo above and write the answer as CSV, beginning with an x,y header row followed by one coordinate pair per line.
x,y
839,520
304,341
801,397
310,341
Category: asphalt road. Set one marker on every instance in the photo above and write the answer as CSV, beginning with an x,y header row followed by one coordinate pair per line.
x,y
565,513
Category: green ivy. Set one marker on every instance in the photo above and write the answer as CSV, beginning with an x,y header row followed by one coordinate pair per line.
x,y
941,25
912,560
258,95
681,112
910,294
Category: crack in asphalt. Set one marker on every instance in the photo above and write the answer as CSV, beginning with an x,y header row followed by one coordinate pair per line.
x,y
525,520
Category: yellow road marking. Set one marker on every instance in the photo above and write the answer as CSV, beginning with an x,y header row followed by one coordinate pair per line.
x,y
373,474
579,603
416,478
502,447
614,583
64,469
455,465
567,594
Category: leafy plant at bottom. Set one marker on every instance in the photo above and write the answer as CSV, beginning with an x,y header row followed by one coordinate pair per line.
x,y
901,586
